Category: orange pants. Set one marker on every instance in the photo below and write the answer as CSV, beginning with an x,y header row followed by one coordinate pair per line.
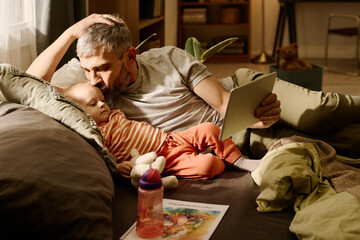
x,y
182,152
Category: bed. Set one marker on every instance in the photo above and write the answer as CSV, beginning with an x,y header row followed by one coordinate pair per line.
x,y
56,185
54,192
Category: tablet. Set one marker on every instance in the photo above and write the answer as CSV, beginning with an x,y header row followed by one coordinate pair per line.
x,y
242,104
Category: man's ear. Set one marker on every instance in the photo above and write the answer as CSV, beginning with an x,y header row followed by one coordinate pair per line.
x,y
131,55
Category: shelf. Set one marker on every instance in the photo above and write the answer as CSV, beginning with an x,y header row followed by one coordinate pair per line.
x,y
129,10
210,25
146,22
213,3
222,19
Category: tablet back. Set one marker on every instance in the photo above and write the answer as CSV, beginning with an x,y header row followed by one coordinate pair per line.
x,y
242,104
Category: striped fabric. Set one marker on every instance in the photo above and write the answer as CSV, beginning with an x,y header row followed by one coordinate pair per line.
x,y
121,135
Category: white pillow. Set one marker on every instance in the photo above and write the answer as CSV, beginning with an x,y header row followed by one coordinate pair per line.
x,y
68,74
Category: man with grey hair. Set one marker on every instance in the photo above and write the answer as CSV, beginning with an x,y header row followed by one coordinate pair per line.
x,y
166,87
171,90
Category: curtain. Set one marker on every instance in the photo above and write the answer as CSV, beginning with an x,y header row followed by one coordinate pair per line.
x,y
17,32
53,18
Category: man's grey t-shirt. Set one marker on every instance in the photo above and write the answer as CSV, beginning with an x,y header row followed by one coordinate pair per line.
x,y
163,92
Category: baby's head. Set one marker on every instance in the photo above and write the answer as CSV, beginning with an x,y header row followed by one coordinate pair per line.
x,y
91,99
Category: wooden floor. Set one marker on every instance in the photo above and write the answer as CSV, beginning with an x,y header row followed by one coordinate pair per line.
x,y
333,81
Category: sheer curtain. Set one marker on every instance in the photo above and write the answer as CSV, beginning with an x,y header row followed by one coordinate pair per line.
x,y
17,32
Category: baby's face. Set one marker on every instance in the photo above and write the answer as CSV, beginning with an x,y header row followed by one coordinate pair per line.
x,y
92,101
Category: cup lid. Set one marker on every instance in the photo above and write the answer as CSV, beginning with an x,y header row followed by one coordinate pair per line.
x,y
151,179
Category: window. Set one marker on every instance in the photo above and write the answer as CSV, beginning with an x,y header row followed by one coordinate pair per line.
x,y
17,32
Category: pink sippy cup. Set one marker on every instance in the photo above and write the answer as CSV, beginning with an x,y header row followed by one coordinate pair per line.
x,y
150,218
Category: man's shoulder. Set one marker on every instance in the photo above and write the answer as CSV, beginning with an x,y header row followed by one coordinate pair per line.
x,y
166,50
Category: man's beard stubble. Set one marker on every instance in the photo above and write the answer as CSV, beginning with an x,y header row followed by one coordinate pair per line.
x,y
121,82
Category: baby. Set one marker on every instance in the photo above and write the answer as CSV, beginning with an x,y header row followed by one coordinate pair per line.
x,y
182,149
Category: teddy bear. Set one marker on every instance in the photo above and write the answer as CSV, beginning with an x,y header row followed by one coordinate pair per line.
x,y
289,60
144,162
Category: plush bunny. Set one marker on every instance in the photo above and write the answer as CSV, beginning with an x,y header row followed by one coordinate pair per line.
x,y
144,162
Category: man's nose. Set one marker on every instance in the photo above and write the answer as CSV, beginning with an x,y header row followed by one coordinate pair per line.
x,y
94,78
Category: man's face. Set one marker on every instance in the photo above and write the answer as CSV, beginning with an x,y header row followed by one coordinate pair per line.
x,y
106,71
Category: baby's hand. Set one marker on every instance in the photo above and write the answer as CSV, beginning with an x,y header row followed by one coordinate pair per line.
x,y
124,169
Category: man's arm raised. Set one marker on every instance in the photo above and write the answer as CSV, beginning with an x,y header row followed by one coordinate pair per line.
x,y
45,64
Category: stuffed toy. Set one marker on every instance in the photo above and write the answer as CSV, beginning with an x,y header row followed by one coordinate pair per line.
x,y
144,162
288,59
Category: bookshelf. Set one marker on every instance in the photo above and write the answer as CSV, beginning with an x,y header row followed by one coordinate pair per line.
x,y
129,10
211,21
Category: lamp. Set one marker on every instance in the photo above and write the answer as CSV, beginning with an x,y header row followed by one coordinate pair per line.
x,y
263,57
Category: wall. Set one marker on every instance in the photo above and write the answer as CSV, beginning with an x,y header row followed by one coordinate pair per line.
x,y
171,19
311,20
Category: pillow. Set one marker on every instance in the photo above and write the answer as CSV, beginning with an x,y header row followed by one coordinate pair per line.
x,y
19,87
48,190
68,74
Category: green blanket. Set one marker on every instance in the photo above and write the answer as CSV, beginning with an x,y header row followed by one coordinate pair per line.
x,y
307,175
